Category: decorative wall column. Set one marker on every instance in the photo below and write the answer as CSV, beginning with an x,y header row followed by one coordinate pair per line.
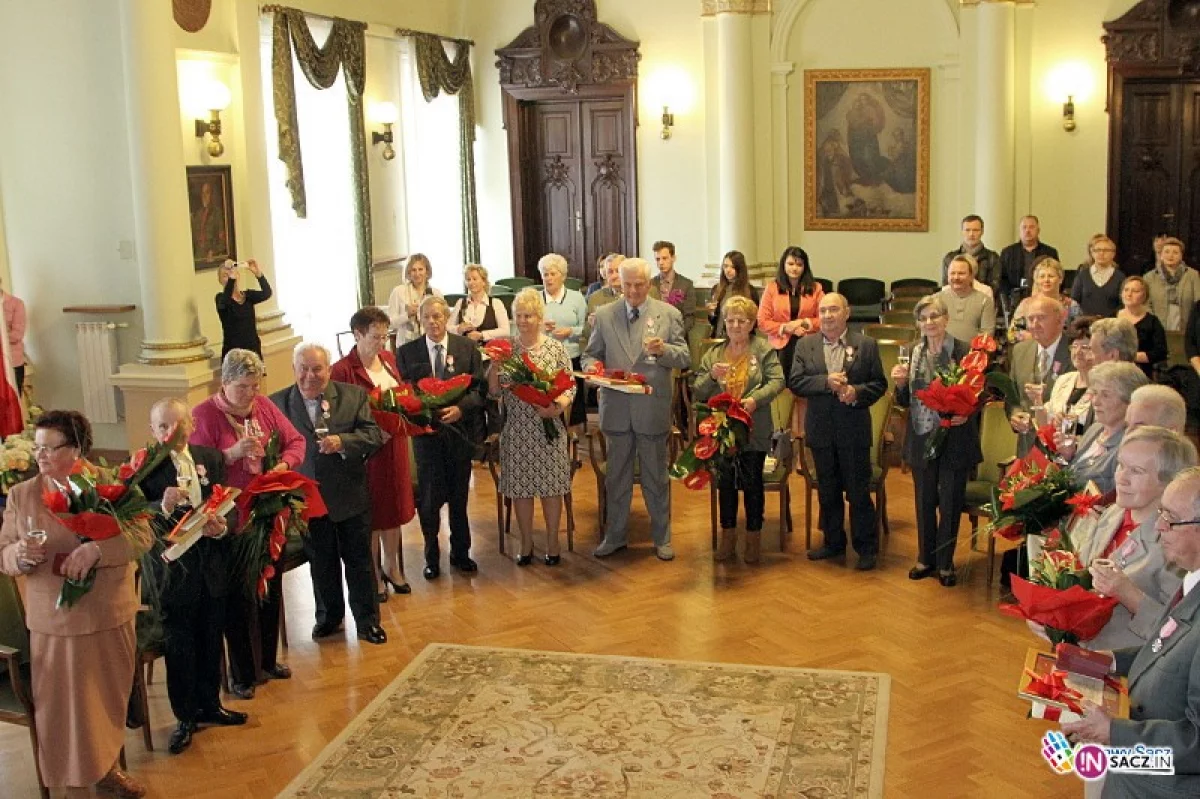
x,y
160,204
735,109
995,118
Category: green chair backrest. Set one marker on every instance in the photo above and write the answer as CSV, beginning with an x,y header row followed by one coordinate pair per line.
x,y
12,618
515,283
997,439
881,412
452,299
573,283
897,318
898,333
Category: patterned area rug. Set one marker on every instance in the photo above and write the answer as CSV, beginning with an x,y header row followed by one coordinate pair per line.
x,y
466,721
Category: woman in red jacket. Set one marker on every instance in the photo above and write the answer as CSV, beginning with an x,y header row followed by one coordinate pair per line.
x,y
788,311
370,366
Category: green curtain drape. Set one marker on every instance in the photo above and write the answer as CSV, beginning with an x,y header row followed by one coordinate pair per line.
x,y
439,74
345,49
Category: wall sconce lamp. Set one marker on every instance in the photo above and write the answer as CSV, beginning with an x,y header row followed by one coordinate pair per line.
x,y
1069,113
668,121
216,99
385,114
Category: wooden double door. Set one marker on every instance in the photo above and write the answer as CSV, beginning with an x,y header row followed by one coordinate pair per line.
x,y
577,182
1157,160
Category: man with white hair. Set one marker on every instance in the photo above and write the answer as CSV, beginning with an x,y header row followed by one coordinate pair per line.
x,y
642,335
1035,363
1157,405
340,434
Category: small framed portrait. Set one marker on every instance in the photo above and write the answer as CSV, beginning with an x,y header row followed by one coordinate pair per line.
x,y
210,202
866,149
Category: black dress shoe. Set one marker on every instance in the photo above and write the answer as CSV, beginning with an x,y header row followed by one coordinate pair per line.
x,y
432,572
280,671
524,560
552,560
948,579
325,629
464,564
221,717
920,572
382,597
372,635
241,691
825,553
181,738
866,562
397,588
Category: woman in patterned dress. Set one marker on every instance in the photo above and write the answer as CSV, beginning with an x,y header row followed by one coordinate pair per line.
x,y
531,466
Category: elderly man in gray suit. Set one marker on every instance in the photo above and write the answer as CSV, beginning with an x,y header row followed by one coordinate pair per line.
x,y
643,335
1035,363
335,420
1164,673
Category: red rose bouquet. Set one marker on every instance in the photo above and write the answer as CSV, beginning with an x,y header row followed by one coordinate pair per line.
x,y
723,429
97,505
527,381
960,389
272,506
1058,594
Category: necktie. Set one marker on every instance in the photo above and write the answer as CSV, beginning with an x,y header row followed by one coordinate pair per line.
x,y
439,362
1175,600
1044,365
634,313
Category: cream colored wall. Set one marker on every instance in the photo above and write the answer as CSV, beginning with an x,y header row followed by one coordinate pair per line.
x,y
672,179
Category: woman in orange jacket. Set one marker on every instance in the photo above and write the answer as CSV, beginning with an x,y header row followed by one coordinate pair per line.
x,y
788,311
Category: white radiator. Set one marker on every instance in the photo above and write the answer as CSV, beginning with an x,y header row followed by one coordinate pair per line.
x,y
97,344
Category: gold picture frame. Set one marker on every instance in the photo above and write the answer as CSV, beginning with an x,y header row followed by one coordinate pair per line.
x,y
866,149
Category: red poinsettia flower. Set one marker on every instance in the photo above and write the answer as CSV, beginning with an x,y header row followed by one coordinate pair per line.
x,y
985,343
974,361
1083,502
1045,435
706,447
498,349
112,493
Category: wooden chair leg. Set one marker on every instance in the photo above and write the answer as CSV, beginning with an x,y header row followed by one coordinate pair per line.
x,y
150,673
974,531
808,496
569,505
144,698
500,520
991,559
881,501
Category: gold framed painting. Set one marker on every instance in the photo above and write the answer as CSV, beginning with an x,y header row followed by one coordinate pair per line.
x,y
866,149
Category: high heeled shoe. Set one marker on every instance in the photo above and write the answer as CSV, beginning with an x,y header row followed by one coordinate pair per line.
x,y
397,588
524,560
552,560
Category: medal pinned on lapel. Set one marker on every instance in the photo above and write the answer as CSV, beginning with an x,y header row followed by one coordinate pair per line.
x,y
1163,634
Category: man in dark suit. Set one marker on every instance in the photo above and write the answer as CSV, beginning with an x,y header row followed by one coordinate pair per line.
x,y
192,590
1038,360
1018,258
444,458
1164,673
840,374
336,422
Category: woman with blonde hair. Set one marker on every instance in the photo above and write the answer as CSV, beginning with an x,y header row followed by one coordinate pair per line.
x,y
1047,282
747,367
1151,335
531,465
1097,286
479,316
564,317
405,300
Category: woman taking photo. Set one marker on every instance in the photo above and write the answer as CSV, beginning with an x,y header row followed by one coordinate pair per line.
x,y
406,298
82,657
735,282
239,421
1098,283
939,483
530,465
235,308
748,368
478,316
564,316
1047,282
1151,335
370,366
789,311
1094,456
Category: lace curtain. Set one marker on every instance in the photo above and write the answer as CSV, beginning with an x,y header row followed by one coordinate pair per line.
x,y
345,49
438,73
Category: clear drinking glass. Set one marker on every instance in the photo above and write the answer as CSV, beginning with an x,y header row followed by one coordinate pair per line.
x,y
184,482
1068,426
648,334
1039,392
902,356
34,535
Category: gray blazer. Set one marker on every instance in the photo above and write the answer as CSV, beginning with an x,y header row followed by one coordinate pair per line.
x,y
618,343
342,477
763,382
1141,558
1164,706
1022,363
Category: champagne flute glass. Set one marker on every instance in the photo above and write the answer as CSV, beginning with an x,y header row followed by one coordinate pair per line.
x,y
321,430
1068,426
1039,389
648,335
902,355
34,535
184,483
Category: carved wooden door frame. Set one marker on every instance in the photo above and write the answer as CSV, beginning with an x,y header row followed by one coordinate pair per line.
x,y
567,54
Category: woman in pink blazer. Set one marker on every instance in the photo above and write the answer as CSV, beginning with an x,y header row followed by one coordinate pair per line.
x,y
788,311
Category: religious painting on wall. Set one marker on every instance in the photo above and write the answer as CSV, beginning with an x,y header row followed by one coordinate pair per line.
x,y
210,202
866,149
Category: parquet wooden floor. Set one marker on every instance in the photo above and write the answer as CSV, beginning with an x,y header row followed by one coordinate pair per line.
x,y
956,726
